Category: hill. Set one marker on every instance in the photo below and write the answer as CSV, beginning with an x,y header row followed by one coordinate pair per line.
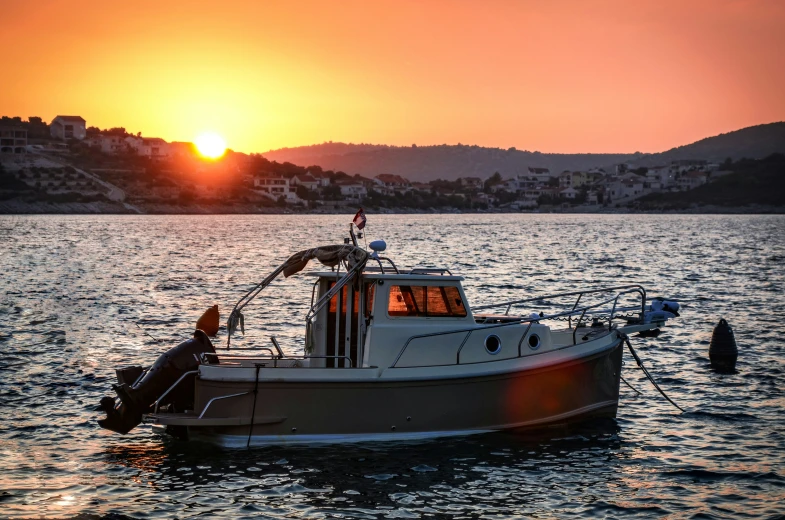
x,y
753,182
425,163
754,142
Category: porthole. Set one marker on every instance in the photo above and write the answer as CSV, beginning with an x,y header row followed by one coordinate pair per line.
x,y
534,342
493,344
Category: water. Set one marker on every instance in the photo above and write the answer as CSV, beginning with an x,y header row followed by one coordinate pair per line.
x,y
74,288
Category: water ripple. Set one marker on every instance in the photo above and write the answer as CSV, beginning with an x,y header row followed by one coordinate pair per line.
x,y
77,289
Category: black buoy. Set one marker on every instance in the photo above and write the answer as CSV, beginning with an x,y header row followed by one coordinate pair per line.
x,y
722,350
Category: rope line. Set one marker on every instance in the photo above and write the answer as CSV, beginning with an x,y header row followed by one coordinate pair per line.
x,y
640,364
253,410
631,387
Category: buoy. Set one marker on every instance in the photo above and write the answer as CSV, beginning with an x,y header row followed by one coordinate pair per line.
x,y
209,321
722,350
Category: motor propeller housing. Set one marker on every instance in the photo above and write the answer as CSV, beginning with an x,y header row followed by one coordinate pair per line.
x,y
137,397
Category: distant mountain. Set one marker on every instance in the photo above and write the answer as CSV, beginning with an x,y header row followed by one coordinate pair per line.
x,y
425,163
754,142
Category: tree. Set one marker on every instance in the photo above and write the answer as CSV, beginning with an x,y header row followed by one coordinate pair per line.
x,y
304,193
493,180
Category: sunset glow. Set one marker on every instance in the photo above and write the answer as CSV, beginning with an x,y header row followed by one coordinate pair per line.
x,y
566,76
210,145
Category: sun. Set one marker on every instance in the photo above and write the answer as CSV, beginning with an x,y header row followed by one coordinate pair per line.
x,y
210,145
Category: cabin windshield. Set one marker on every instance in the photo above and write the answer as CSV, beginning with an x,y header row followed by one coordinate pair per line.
x,y
425,301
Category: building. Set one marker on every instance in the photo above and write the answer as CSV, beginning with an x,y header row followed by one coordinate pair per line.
x,y
274,187
629,185
68,127
353,191
577,179
691,180
306,181
472,183
154,147
568,193
108,143
13,139
389,184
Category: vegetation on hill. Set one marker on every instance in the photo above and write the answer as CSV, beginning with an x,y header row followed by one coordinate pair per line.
x,y
753,181
426,163
754,142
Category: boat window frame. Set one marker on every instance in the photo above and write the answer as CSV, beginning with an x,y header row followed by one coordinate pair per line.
x,y
424,283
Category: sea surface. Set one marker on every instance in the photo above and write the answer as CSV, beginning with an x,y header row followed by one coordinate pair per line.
x,y
81,295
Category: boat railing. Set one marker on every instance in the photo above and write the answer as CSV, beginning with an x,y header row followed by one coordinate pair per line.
x,y
157,402
431,270
574,311
206,357
580,294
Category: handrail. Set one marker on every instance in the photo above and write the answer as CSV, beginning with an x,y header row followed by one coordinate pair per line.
x,y
277,347
640,289
158,401
569,322
218,399
521,320
429,270
243,348
389,260
275,358
525,333
458,354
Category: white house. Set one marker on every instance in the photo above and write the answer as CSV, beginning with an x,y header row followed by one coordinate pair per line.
x,y
691,180
155,147
275,187
389,184
13,139
568,193
630,185
108,143
353,191
68,127
307,181
148,146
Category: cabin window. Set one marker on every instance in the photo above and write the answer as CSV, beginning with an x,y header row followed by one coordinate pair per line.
x,y
429,301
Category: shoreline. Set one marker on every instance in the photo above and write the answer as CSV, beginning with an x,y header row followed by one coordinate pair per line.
x,y
17,207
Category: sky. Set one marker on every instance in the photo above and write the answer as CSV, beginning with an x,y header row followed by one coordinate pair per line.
x,y
555,76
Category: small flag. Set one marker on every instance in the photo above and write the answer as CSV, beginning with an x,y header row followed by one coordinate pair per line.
x,y
359,219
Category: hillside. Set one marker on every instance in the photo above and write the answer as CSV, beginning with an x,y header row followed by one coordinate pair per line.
x,y
753,182
425,163
754,142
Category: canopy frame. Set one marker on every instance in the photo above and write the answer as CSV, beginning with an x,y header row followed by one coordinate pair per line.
x,y
354,259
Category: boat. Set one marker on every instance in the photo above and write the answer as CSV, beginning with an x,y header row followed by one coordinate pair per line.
x,y
392,354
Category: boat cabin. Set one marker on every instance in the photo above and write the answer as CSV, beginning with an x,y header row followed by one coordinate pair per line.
x,y
380,309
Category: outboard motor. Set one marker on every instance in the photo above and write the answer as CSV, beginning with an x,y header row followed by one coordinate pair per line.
x,y
137,395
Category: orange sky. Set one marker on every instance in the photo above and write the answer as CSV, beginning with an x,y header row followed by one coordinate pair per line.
x,y
554,76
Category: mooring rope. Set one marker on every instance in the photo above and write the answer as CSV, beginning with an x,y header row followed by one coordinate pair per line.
x,y
143,330
640,364
253,410
631,387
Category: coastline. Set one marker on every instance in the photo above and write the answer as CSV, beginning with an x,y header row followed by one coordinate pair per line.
x,y
19,207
